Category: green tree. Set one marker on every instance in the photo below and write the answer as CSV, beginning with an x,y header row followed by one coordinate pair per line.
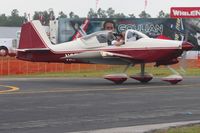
x,y
143,14
15,13
101,13
3,19
73,15
44,16
62,15
15,19
161,14
110,12
167,15
92,14
132,15
119,15
38,15
46,19
51,14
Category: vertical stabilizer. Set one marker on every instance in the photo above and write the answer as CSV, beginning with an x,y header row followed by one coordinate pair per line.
x,y
33,36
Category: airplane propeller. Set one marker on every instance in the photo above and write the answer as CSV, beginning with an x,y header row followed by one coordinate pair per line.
x,y
177,77
183,62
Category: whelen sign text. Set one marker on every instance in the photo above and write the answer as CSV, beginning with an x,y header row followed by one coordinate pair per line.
x,y
185,12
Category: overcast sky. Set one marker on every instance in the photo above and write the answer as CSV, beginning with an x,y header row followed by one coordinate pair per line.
x,y
81,7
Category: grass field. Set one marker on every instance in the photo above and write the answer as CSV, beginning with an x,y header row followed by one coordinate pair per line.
x,y
184,129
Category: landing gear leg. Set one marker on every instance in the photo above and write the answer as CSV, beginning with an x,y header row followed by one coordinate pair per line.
x,y
143,77
142,69
126,68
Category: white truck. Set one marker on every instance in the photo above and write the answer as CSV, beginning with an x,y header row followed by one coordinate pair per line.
x,y
8,46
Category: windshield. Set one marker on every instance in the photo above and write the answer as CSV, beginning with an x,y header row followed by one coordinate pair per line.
x,y
101,36
133,35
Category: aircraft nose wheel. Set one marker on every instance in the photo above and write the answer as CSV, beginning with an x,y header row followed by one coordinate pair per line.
x,y
173,79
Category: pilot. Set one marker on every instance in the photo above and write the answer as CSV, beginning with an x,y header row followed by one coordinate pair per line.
x,y
109,25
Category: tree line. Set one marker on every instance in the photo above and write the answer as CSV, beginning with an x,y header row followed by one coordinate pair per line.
x,y
45,16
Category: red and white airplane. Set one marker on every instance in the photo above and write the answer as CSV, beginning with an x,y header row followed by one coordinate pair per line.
x,y
35,46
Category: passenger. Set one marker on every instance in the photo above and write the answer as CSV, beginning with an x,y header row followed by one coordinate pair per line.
x,y
119,40
132,37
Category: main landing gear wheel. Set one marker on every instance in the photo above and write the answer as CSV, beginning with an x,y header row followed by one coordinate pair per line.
x,y
143,77
116,78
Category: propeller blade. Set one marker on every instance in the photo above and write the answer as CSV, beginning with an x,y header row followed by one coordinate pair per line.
x,y
183,63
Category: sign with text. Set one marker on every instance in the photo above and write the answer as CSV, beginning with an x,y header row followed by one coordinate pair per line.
x,y
171,28
185,12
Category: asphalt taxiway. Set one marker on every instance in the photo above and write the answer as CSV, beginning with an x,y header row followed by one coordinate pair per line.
x,y
80,104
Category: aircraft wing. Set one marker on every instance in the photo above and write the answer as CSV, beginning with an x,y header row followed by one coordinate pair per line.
x,y
101,57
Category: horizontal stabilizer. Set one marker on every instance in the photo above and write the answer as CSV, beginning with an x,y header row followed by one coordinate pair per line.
x,y
33,49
